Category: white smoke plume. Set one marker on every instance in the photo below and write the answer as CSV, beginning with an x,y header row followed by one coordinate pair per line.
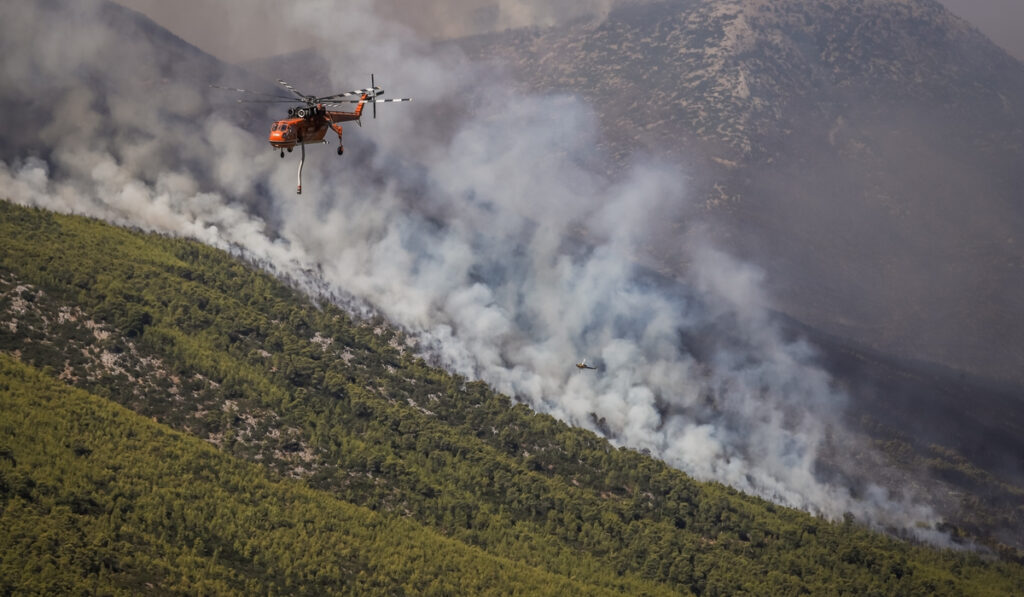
x,y
491,236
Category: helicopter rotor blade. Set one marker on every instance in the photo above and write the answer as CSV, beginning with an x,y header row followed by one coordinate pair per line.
x,y
281,97
380,101
369,95
309,99
342,103
267,101
336,96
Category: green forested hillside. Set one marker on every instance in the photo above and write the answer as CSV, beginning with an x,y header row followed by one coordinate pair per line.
x,y
199,341
96,499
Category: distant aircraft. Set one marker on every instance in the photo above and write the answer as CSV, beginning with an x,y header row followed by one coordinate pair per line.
x,y
583,365
309,123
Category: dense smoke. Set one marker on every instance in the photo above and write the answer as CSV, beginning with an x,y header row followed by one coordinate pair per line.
x,y
493,238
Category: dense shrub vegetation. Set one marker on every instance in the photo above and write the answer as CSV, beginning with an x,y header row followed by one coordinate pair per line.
x,y
96,499
203,343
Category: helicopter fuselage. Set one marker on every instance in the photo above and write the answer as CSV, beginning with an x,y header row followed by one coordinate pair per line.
x,y
293,131
309,125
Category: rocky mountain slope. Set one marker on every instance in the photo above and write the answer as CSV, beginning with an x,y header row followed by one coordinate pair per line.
x,y
865,154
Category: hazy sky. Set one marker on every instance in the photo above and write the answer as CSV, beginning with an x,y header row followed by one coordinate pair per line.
x,y
1001,20
256,32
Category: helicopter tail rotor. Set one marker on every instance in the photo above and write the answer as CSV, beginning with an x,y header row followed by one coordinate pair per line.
x,y
373,96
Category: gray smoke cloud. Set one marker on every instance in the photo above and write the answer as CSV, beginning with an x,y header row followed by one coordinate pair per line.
x,y
492,237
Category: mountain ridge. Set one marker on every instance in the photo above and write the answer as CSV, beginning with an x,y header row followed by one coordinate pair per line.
x,y
862,154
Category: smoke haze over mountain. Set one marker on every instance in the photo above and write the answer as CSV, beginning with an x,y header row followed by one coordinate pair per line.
x,y
256,31
496,239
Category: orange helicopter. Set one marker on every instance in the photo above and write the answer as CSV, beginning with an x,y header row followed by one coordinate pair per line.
x,y
309,123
